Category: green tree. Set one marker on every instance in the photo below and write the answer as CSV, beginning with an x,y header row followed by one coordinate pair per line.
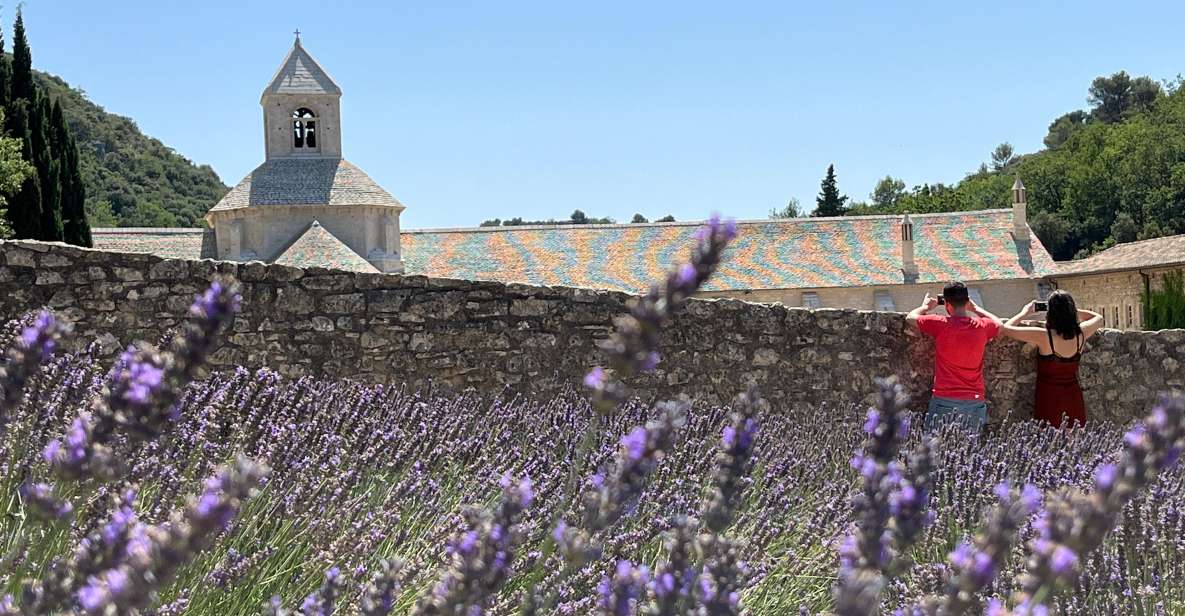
x,y
791,210
49,170
638,218
1124,229
1064,126
887,193
578,218
75,227
667,218
22,61
1164,308
24,207
99,214
14,170
5,75
829,202
1002,156
1114,97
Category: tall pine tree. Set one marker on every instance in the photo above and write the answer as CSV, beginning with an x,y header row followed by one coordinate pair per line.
x,y
31,121
5,74
830,202
48,170
22,61
24,208
76,229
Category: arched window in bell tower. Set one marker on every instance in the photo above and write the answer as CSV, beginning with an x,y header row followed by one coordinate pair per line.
x,y
304,129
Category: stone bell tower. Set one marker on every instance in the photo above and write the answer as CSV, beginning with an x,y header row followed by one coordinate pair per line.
x,y
306,205
301,109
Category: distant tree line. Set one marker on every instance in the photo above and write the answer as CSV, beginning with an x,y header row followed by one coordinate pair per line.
x,y
50,202
1112,173
577,218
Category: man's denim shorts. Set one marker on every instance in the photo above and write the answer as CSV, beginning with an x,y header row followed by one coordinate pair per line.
x,y
971,414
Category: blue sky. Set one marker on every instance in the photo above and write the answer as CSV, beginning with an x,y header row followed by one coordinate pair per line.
x,y
468,111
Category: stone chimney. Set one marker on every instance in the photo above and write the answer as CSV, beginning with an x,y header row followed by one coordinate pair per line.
x,y
1020,217
908,266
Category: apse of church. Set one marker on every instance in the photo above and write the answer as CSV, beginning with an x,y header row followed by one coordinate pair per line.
x,y
306,204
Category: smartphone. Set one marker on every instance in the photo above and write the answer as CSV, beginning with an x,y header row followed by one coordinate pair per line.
x,y
1040,306
941,300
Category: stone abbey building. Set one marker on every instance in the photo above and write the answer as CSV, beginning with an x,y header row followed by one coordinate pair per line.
x,y
307,206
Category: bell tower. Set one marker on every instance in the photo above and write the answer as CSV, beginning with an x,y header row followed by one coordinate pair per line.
x,y
301,109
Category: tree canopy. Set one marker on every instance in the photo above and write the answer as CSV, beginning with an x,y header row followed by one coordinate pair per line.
x,y
830,202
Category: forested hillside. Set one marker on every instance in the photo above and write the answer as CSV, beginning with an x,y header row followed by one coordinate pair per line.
x,y
132,179
1114,172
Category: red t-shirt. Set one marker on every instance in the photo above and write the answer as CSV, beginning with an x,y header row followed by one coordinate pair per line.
x,y
958,353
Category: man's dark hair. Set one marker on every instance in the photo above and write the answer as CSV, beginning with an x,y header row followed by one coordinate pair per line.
x,y
955,294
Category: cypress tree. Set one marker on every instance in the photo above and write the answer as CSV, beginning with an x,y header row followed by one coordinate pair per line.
x,y
76,229
5,75
48,170
829,202
22,61
24,208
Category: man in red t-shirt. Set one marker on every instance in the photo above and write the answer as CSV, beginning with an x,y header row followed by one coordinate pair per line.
x,y
959,339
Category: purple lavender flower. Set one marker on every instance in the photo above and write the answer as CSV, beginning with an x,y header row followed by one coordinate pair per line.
x,y
40,499
618,595
633,346
482,555
378,598
37,342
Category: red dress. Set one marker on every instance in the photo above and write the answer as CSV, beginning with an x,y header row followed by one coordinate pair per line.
x,y
1058,392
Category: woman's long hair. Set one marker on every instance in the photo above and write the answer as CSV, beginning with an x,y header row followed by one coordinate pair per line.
x,y
1062,317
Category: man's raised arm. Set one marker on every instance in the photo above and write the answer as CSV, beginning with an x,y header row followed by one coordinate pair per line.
x,y
928,304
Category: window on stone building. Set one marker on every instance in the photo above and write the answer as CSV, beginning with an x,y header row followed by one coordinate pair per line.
x,y
304,129
1129,315
1115,316
810,299
973,293
883,300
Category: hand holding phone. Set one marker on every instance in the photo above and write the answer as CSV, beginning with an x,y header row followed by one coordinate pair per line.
x,y
1040,306
941,300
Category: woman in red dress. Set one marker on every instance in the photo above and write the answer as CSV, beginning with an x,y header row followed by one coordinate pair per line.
x,y
1059,348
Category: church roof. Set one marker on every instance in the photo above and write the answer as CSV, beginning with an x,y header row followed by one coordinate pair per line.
x,y
801,253
305,181
170,243
317,247
845,251
1158,252
301,74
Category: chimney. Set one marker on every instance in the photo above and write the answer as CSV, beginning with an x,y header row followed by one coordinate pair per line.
x,y
1020,218
908,267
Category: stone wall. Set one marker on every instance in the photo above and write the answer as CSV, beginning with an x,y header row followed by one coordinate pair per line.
x,y
1118,295
538,340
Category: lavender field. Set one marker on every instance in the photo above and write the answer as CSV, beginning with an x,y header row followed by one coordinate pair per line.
x,y
360,473
139,488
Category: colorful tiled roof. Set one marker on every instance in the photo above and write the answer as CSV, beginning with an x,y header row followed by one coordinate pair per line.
x,y
317,247
301,74
305,181
767,254
168,243
1157,252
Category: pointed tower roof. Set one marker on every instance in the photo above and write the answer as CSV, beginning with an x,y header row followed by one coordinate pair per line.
x,y
317,247
1017,185
301,74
